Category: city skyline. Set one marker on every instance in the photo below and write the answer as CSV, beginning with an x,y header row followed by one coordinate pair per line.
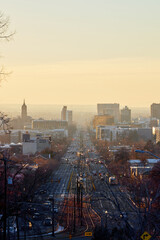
x,y
84,52
79,119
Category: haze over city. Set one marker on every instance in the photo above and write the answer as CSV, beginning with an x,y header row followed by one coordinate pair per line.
x,y
82,52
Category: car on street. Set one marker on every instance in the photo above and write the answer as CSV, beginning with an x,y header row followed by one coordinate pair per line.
x,y
26,226
47,221
42,191
50,197
36,216
55,209
123,215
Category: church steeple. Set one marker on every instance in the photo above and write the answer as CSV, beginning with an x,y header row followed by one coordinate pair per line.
x,y
24,112
24,104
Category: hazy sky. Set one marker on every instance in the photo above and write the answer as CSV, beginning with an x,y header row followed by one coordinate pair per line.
x,y
82,52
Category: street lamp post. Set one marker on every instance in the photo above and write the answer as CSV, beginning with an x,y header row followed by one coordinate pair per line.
x,y
142,151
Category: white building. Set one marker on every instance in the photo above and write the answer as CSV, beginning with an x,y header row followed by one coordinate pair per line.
x,y
35,145
111,133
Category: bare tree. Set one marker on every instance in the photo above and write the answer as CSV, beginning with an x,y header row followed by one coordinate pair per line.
x,y
5,35
5,123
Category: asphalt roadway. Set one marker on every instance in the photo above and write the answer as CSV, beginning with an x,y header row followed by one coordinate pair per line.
x,y
108,201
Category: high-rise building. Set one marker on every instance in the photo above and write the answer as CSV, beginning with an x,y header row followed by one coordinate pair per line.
x,y
111,109
155,110
126,115
64,113
24,112
69,117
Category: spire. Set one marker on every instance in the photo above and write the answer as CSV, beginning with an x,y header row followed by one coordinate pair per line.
x,y
24,111
24,104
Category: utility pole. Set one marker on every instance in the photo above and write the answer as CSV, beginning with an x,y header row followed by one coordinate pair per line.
x,y
77,189
81,203
53,217
74,225
5,198
78,193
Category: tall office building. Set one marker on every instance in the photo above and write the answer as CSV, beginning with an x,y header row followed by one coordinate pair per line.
x,y
126,115
155,110
69,117
24,112
64,113
111,109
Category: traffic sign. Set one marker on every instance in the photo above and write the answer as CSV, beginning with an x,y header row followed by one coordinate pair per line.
x,y
10,180
146,236
88,234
